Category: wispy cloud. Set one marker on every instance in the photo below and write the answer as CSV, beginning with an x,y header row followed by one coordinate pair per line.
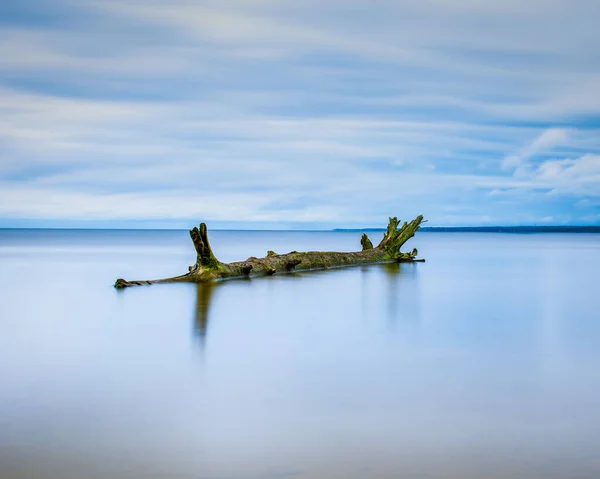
x,y
578,176
544,142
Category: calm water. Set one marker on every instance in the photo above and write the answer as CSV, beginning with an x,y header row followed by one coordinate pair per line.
x,y
481,363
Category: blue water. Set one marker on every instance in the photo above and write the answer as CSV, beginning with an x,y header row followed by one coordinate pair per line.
x,y
480,363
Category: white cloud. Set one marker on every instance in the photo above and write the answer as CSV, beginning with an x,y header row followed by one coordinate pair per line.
x,y
579,176
544,142
575,175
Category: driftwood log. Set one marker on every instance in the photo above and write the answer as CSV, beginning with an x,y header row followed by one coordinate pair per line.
x,y
209,268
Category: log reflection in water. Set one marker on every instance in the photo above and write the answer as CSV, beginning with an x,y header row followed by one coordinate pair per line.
x,y
204,295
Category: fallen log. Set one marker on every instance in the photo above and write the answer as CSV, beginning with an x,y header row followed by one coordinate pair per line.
x,y
209,268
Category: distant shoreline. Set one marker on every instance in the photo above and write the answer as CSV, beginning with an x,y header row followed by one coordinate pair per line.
x,y
494,229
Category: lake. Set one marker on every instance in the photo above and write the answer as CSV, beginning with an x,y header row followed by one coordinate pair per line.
x,y
482,362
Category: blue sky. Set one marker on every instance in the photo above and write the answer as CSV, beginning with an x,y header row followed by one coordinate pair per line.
x,y
301,114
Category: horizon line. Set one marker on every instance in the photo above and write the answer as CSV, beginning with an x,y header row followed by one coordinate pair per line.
x,y
490,228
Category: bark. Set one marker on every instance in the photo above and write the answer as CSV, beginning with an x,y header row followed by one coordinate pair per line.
x,y
209,268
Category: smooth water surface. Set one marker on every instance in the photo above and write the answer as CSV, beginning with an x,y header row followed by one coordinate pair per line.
x,y
482,362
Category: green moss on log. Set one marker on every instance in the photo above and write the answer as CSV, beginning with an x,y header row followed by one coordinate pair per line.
x,y
366,242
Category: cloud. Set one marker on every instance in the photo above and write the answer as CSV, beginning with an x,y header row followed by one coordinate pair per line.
x,y
579,176
547,140
537,162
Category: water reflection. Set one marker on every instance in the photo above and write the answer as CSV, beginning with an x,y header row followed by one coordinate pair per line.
x,y
402,295
204,296
364,293
388,292
391,272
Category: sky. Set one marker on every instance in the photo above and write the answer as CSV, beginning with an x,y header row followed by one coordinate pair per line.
x,y
299,114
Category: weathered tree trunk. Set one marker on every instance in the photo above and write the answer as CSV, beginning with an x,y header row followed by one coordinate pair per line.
x,y
209,268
